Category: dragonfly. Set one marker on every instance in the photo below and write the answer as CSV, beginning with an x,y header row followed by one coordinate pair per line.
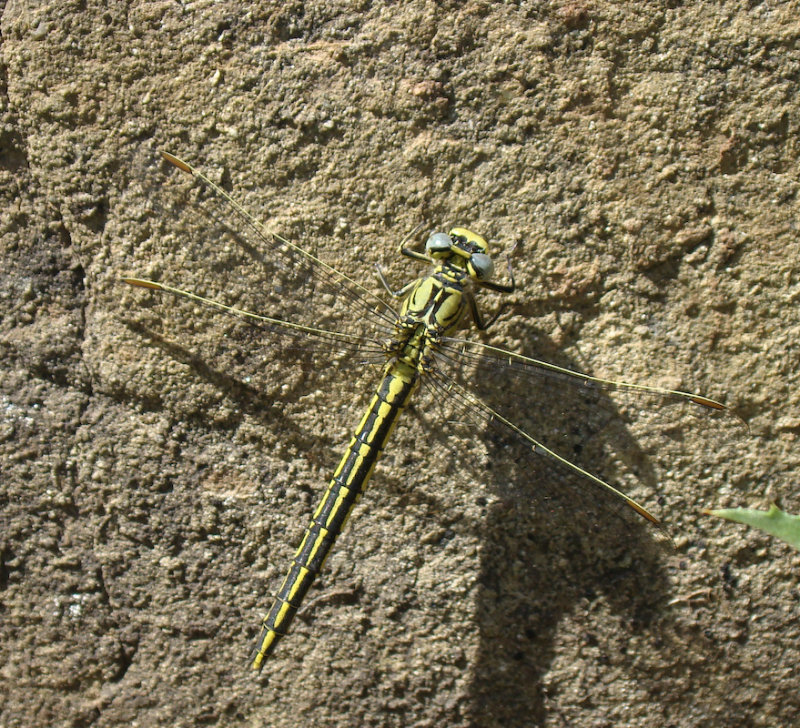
x,y
314,306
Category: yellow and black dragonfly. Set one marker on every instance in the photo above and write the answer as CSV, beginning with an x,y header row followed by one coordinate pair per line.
x,y
309,304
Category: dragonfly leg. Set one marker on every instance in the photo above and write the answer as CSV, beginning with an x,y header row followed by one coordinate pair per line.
x,y
509,287
400,292
408,252
477,317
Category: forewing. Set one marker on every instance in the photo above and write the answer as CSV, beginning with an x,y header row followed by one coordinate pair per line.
x,y
218,250
574,437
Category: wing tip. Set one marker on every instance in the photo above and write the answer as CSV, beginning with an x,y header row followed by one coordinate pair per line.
x,y
176,162
718,407
706,402
143,283
643,512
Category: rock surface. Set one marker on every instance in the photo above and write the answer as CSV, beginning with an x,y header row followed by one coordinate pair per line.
x,y
154,478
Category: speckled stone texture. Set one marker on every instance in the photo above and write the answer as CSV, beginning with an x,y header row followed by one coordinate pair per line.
x,y
155,477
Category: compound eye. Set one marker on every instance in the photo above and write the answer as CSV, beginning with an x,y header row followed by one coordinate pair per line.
x,y
438,243
483,265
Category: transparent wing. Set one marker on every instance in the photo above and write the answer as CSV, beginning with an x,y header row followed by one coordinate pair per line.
x,y
299,335
569,433
229,261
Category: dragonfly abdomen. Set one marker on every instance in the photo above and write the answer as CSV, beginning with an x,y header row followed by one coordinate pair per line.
x,y
344,489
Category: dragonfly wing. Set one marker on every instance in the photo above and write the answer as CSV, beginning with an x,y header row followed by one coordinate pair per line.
x,y
521,467
582,429
226,255
296,336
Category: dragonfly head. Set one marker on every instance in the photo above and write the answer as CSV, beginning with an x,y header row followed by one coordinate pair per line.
x,y
464,247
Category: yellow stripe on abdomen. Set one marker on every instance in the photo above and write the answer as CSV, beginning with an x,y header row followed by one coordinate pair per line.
x,y
342,493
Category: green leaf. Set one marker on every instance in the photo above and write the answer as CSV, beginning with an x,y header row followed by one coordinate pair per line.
x,y
774,522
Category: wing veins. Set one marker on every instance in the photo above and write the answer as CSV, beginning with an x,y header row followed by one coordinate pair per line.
x,y
350,341
458,349
354,290
471,402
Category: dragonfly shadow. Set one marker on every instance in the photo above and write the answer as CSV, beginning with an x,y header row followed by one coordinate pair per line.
x,y
537,574
557,547
230,383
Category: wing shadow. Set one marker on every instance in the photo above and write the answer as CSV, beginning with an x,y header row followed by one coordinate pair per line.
x,y
553,544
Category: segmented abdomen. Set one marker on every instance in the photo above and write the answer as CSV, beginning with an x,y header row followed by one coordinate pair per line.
x,y
344,489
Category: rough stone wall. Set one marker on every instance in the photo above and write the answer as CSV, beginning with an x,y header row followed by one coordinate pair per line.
x,y
155,476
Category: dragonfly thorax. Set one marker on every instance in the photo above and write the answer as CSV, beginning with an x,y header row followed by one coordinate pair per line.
x,y
436,302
